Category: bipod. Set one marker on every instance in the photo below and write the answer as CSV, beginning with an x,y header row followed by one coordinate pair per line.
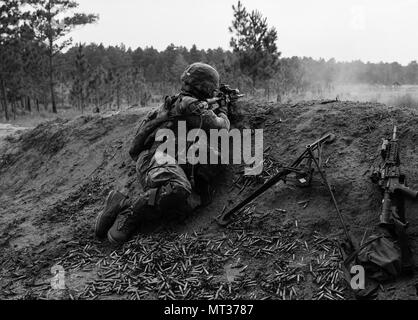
x,y
302,167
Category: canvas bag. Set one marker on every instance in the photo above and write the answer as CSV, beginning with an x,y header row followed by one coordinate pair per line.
x,y
381,258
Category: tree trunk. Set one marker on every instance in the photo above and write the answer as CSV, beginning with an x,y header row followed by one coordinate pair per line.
x,y
51,81
45,102
28,105
2,106
3,93
62,97
37,105
22,104
117,97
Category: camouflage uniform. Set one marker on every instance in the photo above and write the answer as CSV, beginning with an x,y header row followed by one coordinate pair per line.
x,y
169,185
171,188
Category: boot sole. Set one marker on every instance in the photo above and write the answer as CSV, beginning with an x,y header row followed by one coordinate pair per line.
x,y
96,225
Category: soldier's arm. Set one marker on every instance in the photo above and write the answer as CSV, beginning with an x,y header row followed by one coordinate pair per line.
x,y
209,119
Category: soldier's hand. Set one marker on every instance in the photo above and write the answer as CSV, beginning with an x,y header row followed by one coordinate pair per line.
x,y
223,107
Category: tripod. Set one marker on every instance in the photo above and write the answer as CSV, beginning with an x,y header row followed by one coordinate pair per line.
x,y
303,168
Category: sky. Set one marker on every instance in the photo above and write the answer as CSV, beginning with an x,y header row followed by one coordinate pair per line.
x,y
369,30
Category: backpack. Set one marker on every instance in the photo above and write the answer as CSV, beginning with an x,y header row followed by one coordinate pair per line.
x,y
382,258
147,128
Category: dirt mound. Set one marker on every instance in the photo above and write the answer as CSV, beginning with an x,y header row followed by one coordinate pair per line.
x,y
54,178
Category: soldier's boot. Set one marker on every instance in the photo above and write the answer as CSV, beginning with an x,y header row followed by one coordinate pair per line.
x,y
115,203
128,221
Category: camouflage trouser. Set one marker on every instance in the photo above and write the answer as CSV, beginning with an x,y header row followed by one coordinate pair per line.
x,y
168,188
165,187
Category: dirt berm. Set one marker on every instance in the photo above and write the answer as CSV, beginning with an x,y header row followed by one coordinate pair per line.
x,y
54,179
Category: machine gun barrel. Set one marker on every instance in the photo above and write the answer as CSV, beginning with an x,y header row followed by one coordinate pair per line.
x,y
224,219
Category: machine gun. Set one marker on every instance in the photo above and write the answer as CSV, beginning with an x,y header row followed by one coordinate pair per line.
x,y
224,97
392,182
303,168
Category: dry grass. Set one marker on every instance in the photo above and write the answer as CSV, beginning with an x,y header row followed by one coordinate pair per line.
x,y
32,119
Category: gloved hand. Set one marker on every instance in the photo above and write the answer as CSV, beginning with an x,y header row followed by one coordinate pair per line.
x,y
223,107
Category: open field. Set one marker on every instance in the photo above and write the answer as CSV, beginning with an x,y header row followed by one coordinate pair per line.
x,y
405,95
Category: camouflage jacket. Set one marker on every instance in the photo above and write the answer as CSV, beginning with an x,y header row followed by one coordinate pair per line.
x,y
182,107
197,113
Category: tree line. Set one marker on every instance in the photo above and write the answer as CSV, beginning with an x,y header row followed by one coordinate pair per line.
x,y
32,35
41,69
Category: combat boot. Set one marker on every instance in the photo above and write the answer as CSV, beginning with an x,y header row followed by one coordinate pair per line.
x,y
115,203
123,227
129,220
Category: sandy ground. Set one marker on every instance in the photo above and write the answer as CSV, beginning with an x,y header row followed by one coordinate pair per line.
x,y
54,178
7,130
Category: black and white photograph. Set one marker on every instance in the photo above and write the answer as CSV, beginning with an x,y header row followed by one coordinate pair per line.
x,y
208,157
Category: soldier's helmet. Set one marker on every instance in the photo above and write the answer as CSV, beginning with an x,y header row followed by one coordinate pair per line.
x,y
200,79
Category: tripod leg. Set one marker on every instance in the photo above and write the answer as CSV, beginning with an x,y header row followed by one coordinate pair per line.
x,y
332,196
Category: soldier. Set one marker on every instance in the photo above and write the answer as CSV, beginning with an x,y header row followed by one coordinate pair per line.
x,y
168,188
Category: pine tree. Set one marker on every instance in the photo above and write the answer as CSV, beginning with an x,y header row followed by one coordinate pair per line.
x,y
96,86
11,19
51,28
195,54
178,67
254,43
80,78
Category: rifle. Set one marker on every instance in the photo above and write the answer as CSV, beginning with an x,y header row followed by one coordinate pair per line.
x,y
392,182
304,172
224,97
